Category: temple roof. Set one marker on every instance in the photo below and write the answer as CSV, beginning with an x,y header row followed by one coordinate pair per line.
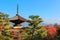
x,y
17,17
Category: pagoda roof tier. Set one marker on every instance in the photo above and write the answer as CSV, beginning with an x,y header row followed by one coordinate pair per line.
x,y
18,18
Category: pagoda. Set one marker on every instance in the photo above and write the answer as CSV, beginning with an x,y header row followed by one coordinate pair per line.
x,y
17,20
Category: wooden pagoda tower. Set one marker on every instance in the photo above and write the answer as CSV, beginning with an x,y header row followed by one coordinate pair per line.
x,y
17,19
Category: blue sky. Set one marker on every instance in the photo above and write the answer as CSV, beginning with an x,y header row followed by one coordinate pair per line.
x,y
48,10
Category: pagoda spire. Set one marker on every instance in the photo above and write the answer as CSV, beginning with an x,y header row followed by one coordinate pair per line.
x,y
17,9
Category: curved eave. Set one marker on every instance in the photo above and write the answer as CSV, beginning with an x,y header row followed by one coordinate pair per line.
x,y
17,17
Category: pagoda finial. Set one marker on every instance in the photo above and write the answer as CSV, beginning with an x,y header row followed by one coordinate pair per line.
x,y
17,9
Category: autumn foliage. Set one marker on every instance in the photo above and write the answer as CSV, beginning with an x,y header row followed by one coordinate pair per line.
x,y
51,30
